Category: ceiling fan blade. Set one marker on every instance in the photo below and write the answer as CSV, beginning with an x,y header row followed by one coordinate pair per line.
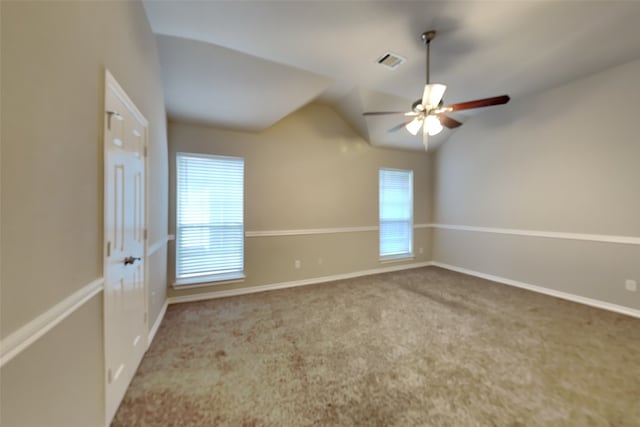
x,y
448,121
432,94
478,103
382,113
400,126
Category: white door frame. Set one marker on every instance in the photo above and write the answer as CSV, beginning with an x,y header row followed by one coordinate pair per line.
x,y
111,85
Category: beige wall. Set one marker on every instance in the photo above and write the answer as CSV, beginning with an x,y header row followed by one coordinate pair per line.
x,y
54,56
565,160
309,171
58,380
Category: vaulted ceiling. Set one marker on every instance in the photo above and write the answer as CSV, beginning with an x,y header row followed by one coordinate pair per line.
x,y
247,64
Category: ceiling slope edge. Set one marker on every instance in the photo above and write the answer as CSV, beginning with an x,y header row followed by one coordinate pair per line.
x,y
208,84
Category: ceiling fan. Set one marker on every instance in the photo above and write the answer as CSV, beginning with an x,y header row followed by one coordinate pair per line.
x,y
429,112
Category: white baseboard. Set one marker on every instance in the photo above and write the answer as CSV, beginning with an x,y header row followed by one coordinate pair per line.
x,y
22,338
542,290
156,325
292,284
503,280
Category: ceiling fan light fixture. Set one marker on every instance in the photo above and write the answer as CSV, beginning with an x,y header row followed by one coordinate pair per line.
x,y
429,111
414,125
432,125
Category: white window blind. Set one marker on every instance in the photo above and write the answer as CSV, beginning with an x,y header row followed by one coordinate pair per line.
x,y
210,217
396,213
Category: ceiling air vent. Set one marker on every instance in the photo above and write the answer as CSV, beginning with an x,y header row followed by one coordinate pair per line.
x,y
391,60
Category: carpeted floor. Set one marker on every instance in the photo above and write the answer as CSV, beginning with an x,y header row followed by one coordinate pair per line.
x,y
423,347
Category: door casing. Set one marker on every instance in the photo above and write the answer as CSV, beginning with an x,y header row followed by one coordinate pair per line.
x,y
112,88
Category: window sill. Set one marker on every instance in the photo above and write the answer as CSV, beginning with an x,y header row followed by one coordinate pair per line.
x,y
396,258
206,281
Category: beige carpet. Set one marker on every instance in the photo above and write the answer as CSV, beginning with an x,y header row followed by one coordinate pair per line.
x,y
423,347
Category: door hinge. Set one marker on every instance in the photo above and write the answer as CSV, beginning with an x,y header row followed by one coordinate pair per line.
x,y
146,317
110,115
109,376
144,234
146,151
108,249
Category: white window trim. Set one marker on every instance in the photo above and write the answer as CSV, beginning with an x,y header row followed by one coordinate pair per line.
x,y
388,259
404,256
209,279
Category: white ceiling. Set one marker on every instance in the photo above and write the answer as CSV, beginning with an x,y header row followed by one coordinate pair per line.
x,y
207,83
247,64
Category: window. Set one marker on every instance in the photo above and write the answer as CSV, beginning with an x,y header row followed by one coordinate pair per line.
x,y
396,213
210,218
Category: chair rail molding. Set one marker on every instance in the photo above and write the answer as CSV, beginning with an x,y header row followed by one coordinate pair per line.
x,y
16,342
604,238
155,247
309,231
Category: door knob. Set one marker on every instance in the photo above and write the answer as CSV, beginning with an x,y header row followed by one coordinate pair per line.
x,y
130,260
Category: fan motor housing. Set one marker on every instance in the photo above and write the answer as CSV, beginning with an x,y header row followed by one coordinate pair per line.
x,y
427,36
417,106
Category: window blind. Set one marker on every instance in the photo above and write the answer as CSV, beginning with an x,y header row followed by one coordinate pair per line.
x,y
210,216
396,212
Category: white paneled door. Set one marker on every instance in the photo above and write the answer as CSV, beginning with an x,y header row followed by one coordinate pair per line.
x,y
125,315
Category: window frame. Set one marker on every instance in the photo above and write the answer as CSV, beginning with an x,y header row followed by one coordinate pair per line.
x,y
208,278
405,255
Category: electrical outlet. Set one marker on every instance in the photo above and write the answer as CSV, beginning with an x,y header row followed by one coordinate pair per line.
x,y
631,285
420,250
320,261
297,263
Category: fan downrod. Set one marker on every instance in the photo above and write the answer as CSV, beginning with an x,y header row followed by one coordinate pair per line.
x,y
426,37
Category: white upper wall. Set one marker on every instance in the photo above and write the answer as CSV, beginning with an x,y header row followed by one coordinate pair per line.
x,y
562,160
